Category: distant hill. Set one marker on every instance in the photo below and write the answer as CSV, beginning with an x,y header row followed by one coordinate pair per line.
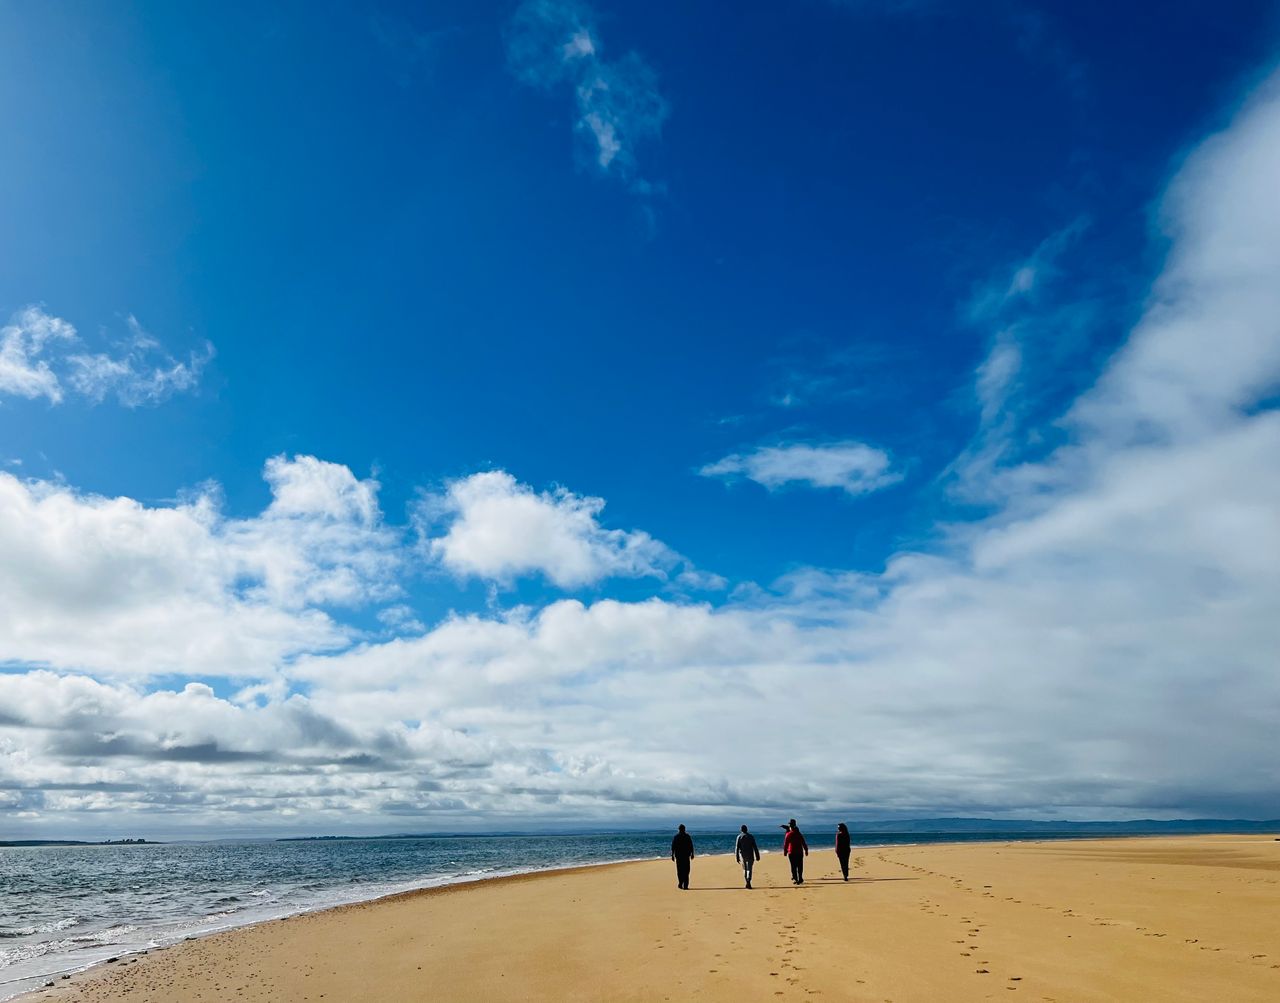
x,y
77,842
921,826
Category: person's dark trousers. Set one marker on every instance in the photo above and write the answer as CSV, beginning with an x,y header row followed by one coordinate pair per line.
x,y
844,864
797,867
682,871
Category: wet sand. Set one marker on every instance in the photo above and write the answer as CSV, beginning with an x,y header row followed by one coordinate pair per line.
x,y
1194,918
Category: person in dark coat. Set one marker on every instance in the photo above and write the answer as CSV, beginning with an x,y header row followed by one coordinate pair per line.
x,y
682,853
746,853
796,849
842,848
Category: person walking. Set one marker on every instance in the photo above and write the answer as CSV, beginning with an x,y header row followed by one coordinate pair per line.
x,y
796,849
842,848
746,853
682,853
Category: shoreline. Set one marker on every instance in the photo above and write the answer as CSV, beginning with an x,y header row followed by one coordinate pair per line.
x,y
539,894
123,953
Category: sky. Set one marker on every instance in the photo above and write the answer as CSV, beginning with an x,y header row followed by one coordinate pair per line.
x,y
541,414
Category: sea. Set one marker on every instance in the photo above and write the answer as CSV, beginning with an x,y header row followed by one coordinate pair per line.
x,y
65,908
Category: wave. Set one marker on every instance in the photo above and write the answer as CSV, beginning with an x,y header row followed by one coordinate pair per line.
x,y
28,952
30,931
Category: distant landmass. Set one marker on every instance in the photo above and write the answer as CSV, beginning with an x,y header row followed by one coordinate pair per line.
x,y
900,827
76,842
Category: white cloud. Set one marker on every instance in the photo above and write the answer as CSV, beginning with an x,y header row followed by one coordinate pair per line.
x,y
550,42
114,586
305,486
500,529
850,466
1209,343
36,360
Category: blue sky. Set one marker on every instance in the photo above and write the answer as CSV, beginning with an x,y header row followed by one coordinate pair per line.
x,y
479,400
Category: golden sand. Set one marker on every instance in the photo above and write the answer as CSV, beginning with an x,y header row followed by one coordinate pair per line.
x,y
1136,919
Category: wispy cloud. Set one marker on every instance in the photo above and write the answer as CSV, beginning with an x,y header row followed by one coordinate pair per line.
x,y
1025,280
26,343
1032,333
39,358
555,43
853,467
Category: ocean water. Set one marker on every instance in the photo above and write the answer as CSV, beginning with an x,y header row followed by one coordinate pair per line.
x,y
65,908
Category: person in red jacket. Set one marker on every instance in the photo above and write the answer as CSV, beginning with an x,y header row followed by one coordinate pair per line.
x,y
796,849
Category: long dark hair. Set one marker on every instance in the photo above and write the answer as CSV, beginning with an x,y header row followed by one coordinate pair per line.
x,y
842,827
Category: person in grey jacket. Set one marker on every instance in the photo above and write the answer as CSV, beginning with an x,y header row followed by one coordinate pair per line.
x,y
746,853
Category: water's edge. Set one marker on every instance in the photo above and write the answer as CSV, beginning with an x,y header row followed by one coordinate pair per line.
x,y
28,987
30,983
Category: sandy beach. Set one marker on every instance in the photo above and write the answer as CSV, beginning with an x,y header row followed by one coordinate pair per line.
x,y
1135,919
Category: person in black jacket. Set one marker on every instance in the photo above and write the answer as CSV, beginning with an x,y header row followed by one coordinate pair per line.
x,y
842,848
682,853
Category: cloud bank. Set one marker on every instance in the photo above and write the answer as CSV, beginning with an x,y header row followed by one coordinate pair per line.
x,y
1103,644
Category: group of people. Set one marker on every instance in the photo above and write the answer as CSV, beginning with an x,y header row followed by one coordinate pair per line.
x,y
746,851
